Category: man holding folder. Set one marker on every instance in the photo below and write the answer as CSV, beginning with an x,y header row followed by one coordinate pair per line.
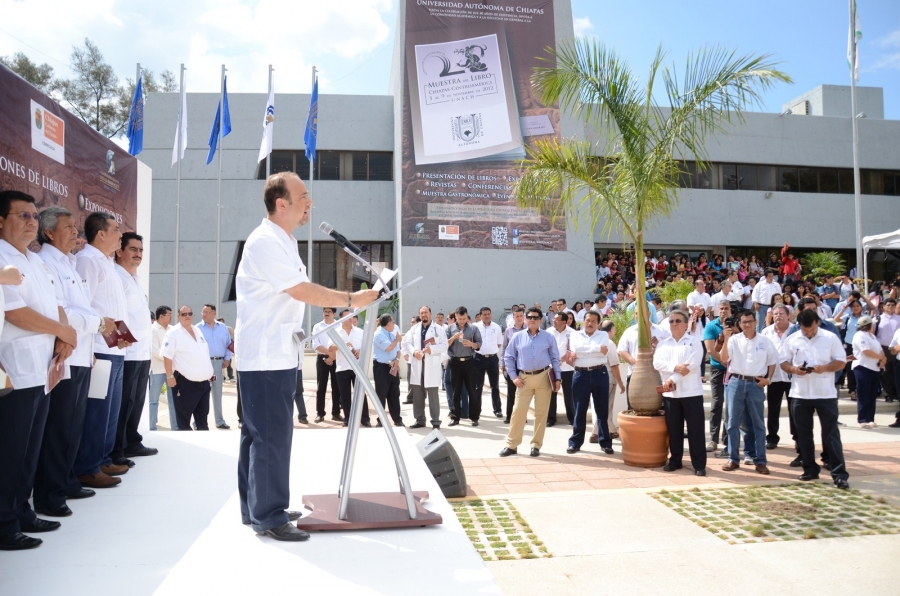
x,y
532,363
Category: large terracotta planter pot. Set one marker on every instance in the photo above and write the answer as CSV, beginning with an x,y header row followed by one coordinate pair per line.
x,y
642,395
645,440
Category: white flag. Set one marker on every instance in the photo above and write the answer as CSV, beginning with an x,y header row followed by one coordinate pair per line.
x,y
265,148
182,124
853,41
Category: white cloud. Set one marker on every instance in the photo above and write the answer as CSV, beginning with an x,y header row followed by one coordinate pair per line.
x,y
582,26
246,36
891,59
891,40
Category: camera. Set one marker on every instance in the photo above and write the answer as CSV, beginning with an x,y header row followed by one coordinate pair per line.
x,y
731,322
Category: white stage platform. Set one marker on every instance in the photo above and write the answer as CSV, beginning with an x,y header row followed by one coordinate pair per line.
x,y
173,527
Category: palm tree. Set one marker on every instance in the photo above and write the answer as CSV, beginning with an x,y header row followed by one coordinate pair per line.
x,y
629,178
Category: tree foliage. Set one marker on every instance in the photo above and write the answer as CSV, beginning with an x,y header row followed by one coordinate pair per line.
x,y
820,264
39,75
628,178
94,93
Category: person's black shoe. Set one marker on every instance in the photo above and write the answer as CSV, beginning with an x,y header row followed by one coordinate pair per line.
x,y
826,465
671,467
417,425
61,511
551,423
294,515
807,477
506,421
319,419
498,414
344,425
608,450
454,422
895,424
722,454
378,423
474,423
535,452
287,533
337,417
124,461
841,483
303,420
84,493
889,399
570,450
223,426
368,424
40,525
506,452
19,541
434,426
141,452
771,445
700,472
796,462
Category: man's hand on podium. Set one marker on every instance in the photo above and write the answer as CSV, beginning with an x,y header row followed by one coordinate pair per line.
x,y
363,297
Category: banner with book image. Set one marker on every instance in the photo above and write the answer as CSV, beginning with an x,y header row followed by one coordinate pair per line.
x,y
469,112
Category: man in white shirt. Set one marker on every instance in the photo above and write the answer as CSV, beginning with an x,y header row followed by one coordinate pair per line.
x,y
602,305
699,297
95,266
737,288
158,368
55,480
35,330
272,292
888,324
587,353
751,358
562,332
136,371
780,386
346,378
894,352
677,358
763,293
723,294
325,369
487,359
425,344
812,357
188,370
616,385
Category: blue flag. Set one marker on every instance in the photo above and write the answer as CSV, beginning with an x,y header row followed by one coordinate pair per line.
x,y
135,130
312,124
226,125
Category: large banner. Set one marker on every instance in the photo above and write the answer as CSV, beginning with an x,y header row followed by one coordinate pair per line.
x,y
468,114
55,157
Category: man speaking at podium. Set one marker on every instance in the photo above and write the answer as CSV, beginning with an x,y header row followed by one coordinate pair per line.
x,y
272,293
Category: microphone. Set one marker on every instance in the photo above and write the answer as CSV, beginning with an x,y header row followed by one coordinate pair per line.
x,y
339,238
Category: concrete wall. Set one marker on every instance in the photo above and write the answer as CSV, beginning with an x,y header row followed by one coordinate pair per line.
x,y
834,101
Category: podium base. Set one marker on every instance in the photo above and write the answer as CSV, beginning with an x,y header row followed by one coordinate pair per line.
x,y
366,511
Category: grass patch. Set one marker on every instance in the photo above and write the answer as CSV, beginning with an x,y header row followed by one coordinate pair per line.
x,y
497,531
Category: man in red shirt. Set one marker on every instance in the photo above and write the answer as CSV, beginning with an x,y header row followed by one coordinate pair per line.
x,y
790,267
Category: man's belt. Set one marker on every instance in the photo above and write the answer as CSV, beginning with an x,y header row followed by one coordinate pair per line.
x,y
216,358
746,378
533,372
494,355
461,358
589,368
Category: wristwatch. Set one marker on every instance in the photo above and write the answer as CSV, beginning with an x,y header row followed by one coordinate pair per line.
x,y
102,328
349,300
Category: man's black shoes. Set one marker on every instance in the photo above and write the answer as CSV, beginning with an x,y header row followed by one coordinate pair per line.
x,y
61,511
454,422
18,541
287,533
84,493
41,525
141,451
507,452
535,452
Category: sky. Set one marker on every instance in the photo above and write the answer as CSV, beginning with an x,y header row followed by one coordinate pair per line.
x,y
351,41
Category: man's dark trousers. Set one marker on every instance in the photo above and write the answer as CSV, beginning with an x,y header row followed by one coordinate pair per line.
x,y
346,381
191,399
324,373
55,476
491,366
717,387
264,465
774,393
387,386
135,377
462,372
827,410
298,396
23,413
588,385
510,396
566,386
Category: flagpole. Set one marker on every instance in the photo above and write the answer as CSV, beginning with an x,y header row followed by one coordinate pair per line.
x,y
219,201
269,154
137,77
309,242
860,266
178,181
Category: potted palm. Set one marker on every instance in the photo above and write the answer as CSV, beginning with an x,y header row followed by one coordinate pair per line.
x,y
629,178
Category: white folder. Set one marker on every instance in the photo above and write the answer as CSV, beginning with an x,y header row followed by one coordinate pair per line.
x,y
100,379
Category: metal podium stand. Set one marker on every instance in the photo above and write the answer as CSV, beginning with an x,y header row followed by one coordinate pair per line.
x,y
343,511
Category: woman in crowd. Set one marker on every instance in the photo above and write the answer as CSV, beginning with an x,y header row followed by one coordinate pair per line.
x,y
867,370
753,266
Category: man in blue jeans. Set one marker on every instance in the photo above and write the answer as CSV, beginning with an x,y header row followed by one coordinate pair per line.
x,y
93,464
751,358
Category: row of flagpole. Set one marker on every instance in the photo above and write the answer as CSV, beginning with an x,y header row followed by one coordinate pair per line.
x,y
220,129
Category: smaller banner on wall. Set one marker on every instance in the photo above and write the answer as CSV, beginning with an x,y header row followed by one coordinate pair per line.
x,y
55,157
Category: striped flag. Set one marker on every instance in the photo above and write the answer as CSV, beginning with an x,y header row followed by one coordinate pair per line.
x,y
182,125
853,41
265,148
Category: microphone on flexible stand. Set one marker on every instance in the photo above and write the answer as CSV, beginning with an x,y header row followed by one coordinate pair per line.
x,y
339,238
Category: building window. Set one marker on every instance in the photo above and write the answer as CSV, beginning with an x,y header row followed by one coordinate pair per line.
x,y
333,165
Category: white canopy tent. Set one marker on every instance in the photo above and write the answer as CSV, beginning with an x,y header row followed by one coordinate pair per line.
x,y
889,241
